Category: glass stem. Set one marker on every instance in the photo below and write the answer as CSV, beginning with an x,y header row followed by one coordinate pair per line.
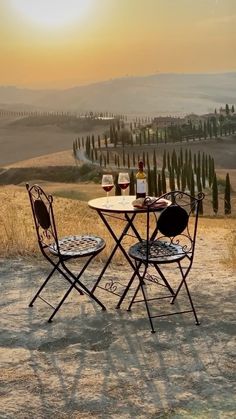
x,y
107,199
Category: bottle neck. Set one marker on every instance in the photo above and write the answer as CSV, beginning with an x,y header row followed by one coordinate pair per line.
x,y
140,166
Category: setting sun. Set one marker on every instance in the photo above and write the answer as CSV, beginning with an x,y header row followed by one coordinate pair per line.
x,y
62,43
52,13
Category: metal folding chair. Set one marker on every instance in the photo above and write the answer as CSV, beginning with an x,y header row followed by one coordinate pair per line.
x,y
59,251
173,242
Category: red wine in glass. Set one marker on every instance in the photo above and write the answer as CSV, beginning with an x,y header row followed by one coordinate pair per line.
x,y
107,185
123,182
124,185
107,188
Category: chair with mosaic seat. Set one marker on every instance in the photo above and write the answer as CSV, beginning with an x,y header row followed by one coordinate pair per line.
x,y
59,251
173,242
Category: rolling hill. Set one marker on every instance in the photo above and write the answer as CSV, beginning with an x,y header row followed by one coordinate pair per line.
x,y
162,94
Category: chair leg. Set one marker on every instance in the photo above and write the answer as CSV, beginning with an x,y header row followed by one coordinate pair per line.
x,y
128,286
141,285
73,285
61,302
164,279
43,285
141,279
192,305
134,296
184,276
87,291
147,307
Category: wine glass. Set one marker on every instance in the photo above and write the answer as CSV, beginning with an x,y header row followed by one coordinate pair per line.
x,y
123,182
107,184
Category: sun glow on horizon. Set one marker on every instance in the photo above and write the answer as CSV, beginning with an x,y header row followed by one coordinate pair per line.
x,y
62,43
54,13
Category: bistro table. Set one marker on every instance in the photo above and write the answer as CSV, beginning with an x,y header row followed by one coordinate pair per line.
x,y
125,211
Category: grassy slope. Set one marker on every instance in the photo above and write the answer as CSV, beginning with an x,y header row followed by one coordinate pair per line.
x,y
17,237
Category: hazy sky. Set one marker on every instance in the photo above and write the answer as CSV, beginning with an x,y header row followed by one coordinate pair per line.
x,y
62,43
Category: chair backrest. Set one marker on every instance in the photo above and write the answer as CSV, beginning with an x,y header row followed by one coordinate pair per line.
x,y
177,223
42,209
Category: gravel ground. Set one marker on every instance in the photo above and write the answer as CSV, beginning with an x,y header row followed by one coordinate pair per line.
x,y
91,363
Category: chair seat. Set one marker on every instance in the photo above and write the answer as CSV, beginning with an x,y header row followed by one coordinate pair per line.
x,y
159,252
73,246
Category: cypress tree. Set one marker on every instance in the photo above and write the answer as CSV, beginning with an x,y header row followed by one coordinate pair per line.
x,y
117,188
154,159
174,160
134,162
227,200
147,159
150,184
186,156
140,139
183,179
190,157
172,180
200,204
178,178
195,163
128,162
144,160
105,137
163,177
132,184
104,161
215,195
164,160
165,135
215,129
192,192
93,142
203,171
92,155
192,185
211,170
206,167
159,185
123,157
181,157
198,175
188,171
155,188
168,162
199,161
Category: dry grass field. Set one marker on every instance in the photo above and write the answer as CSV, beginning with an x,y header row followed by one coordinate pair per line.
x,y
17,237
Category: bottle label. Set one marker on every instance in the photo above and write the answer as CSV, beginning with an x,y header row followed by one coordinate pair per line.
x,y
141,186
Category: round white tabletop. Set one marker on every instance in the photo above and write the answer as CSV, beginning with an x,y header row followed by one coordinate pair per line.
x,y
115,204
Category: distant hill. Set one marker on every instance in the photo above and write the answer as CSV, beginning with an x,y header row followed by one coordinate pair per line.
x,y
158,94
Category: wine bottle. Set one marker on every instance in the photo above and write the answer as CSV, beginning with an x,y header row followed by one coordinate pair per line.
x,y
141,183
